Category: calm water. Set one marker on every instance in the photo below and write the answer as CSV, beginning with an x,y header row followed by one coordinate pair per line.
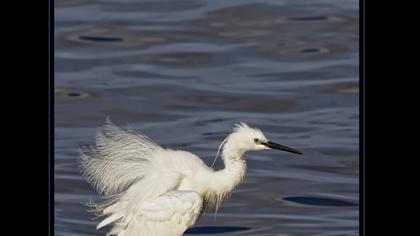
x,y
183,72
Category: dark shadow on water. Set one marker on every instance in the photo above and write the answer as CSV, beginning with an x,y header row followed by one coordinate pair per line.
x,y
308,18
215,229
73,94
100,38
310,50
317,201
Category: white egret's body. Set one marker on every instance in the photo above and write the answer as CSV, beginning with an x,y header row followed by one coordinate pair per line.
x,y
160,192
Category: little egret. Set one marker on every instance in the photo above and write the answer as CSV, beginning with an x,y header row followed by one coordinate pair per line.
x,y
153,191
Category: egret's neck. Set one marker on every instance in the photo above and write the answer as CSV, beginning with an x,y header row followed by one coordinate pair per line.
x,y
216,185
235,165
231,150
233,172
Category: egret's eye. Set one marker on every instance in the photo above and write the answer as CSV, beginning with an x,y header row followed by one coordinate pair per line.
x,y
256,140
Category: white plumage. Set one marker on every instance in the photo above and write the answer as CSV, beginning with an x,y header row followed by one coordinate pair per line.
x,y
153,191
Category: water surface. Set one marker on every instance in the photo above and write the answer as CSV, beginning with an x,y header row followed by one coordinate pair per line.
x,y
183,72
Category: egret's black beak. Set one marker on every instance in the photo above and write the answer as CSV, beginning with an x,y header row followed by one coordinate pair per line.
x,y
281,147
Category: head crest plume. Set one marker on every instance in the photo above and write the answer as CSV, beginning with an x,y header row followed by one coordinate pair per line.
x,y
239,126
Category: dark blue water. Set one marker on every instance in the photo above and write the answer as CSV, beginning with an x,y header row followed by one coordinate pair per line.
x,y
183,72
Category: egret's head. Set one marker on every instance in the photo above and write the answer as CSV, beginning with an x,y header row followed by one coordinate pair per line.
x,y
252,139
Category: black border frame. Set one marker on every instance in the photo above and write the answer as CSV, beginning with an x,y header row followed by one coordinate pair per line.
x,y
51,144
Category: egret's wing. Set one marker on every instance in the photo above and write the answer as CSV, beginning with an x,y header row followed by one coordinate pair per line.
x,y
120,158
169,214
144,198
127,203
153,206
